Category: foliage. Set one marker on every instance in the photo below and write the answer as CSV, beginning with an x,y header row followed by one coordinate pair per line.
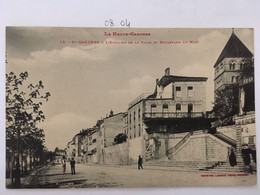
x,y
248,68
120,138
227,101
23,112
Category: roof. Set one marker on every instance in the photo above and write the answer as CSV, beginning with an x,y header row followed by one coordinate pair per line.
x,y
165,80
234,48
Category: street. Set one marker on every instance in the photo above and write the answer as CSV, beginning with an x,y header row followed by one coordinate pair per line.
x,y
99,176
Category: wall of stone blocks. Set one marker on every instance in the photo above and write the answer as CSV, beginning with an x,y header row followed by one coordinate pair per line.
x,y
202,148
215,150
116,155
229,131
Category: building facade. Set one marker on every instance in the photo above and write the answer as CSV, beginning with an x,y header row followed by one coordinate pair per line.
x,y
178,105
110,127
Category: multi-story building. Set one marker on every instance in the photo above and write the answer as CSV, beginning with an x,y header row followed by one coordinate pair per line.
x,y
70,150
110,127
177,106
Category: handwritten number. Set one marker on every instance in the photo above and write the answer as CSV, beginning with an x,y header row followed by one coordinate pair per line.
x,y
109,22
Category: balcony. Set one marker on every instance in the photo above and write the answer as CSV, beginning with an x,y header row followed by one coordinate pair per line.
x,y
248,118
174,115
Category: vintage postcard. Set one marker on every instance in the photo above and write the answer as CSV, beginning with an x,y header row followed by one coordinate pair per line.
x,y
129,107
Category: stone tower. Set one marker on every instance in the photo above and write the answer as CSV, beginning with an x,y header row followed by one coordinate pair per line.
x,y
230,62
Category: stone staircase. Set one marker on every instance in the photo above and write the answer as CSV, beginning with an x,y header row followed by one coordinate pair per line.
x,y
226,139
222,167
170,152
179,165
193,166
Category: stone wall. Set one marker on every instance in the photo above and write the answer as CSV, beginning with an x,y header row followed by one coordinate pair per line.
x,y
116,155
204,147
135,149
229,131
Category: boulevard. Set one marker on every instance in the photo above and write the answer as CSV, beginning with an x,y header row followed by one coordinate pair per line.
x,y
104,176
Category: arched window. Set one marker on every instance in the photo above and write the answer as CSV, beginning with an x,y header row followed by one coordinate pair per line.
x,y
237,78
233,79
242,65
232,65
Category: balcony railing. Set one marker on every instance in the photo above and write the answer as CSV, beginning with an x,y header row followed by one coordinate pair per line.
x,y
173,115
139,98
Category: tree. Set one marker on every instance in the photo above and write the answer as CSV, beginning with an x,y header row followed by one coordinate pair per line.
x,y
248,68
23,113
227,101
120,138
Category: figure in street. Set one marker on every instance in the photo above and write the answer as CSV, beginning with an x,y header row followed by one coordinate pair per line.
x,y
72,165
232,158
140,162
63,164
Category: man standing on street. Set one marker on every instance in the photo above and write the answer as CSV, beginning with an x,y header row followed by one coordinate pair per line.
x,y
140,162
72,165
63,163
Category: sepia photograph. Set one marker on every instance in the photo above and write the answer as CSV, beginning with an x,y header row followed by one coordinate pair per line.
x,y
129,107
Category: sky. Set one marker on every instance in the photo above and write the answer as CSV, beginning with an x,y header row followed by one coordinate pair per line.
x,y
86,81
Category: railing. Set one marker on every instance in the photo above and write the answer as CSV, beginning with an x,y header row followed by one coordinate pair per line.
x,y
225,138
139,98
173,115
171,151
245,119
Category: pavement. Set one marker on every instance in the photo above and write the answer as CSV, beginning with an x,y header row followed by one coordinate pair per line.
x,y
108,176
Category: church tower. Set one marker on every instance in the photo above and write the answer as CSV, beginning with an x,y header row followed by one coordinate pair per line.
x,y
229,64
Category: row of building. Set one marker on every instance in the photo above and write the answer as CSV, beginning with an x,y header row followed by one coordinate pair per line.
x,y
172,122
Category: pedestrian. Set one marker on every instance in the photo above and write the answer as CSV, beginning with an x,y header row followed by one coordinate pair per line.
x,y
72,165
63,164
140,162
232,158
246,155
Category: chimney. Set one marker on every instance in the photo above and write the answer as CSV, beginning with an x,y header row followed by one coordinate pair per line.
x,y
111,113
167,71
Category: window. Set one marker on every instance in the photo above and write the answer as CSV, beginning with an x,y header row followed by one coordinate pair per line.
x,y
139,113
190,91
94,140
165,106
233,79
178,107
178,91
178,88
153,108
232,65
237,78
251,140
139,128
